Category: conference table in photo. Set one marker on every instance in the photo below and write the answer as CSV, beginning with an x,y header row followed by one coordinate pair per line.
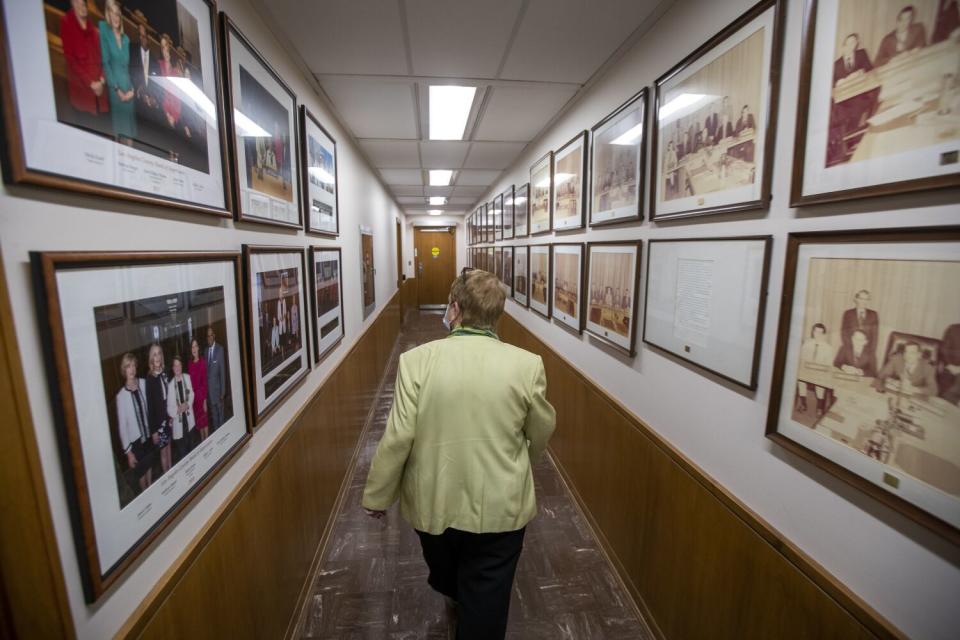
x,y
701,170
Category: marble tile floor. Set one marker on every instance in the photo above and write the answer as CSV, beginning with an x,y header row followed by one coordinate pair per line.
x,y
372,578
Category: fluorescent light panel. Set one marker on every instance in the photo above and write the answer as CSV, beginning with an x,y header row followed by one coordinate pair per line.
x,y
434,212
438,200
449,110
440,177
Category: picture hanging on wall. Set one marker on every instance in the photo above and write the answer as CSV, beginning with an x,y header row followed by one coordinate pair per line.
x,y
865,384
489,259
521,211
508,214
326,276
705,302
570,183
147,364
566,287
508,270
521,270
262,119
123,102
540,279
498,218
613,280
879,100
368,281
488,222
498,263
277,327
715,120
319,162
618,163
541,197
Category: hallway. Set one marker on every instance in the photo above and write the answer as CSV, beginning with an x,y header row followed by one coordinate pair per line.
x,y
372,579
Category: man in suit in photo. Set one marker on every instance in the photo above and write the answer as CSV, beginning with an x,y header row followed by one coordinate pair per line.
x,y
907,36
856,358
915,374
860,318
949,357
216,380
848,119
143,73
853,58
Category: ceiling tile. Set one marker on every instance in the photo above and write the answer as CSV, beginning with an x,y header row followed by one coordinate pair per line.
x,y
437,191
410,199
474,177
542,50
407,190
472,192
392,154
492,155
374,108
443,155
519,113
402,176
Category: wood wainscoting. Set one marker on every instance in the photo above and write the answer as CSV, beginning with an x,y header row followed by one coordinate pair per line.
x,y
697,561
408,296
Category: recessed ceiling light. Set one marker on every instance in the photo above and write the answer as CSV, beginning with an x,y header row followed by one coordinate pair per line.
x,y
440,177
449,110
438,200
434,212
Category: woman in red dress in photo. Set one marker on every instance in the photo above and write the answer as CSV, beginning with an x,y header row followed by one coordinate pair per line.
x,y
168,69
197,368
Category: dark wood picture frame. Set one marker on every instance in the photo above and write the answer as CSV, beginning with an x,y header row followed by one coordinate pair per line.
x,y
772,82
583,138
16,171
319,355
549,285
228,28
523,191
548,158
797,199
635,306
498,222
849,236
643,97
508,250
553,273
45,266
761,305
305,116
526,294
507,196
249,250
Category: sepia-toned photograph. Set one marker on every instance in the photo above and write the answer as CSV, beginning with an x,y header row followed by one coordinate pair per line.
x,y
521,282
712,124
541,190
872,373
320,175
498,263
521,211
567,284
498,218
618,148
540,279
884,98
327,318
569,178
508,269
612,277
508,214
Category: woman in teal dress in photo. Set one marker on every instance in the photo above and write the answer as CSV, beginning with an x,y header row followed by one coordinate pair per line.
x,y
115,52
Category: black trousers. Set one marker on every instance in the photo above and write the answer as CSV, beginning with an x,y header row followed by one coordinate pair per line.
x,y
476,570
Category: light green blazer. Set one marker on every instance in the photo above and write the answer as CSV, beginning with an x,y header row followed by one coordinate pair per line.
x,y
469,415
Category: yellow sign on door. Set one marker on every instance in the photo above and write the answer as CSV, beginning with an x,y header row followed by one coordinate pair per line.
x,y
435,251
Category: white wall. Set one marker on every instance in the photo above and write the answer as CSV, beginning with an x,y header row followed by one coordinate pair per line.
x,y
905,572
45,220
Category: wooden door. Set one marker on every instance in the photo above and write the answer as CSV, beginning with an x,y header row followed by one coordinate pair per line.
x,y
436,264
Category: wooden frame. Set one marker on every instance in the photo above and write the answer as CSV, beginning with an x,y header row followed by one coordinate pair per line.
x,y
498,222
771,81
553,274
526,294
761,306
931,235
545,158
272,404
508,196
16,171
643,98
318,355
635,306
508,251
523,191
305,117
45,267
582,139
549,282
797,199
228,28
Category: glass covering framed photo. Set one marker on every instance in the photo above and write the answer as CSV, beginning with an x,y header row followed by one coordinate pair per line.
x,y
715,121
705,302
277,329
508,214
540,279
618,163
566,287
521,210
521,280
879,100
541,195
498,218
326,278
146,368
121,100
613,281
570,183
508,270
319,162
866,381
262,126
498,263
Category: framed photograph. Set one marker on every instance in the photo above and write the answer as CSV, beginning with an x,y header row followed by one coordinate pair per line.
x,y
866,381
326,276
145,367
566,287
123,103
498,218
318,159
541,200
521,281
570,184
508,214
508,270
540,279
490,260
277,327
618,163
715,120
613,281
498,263
487,235
879,98
262,126
705,302
521,211
367,268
